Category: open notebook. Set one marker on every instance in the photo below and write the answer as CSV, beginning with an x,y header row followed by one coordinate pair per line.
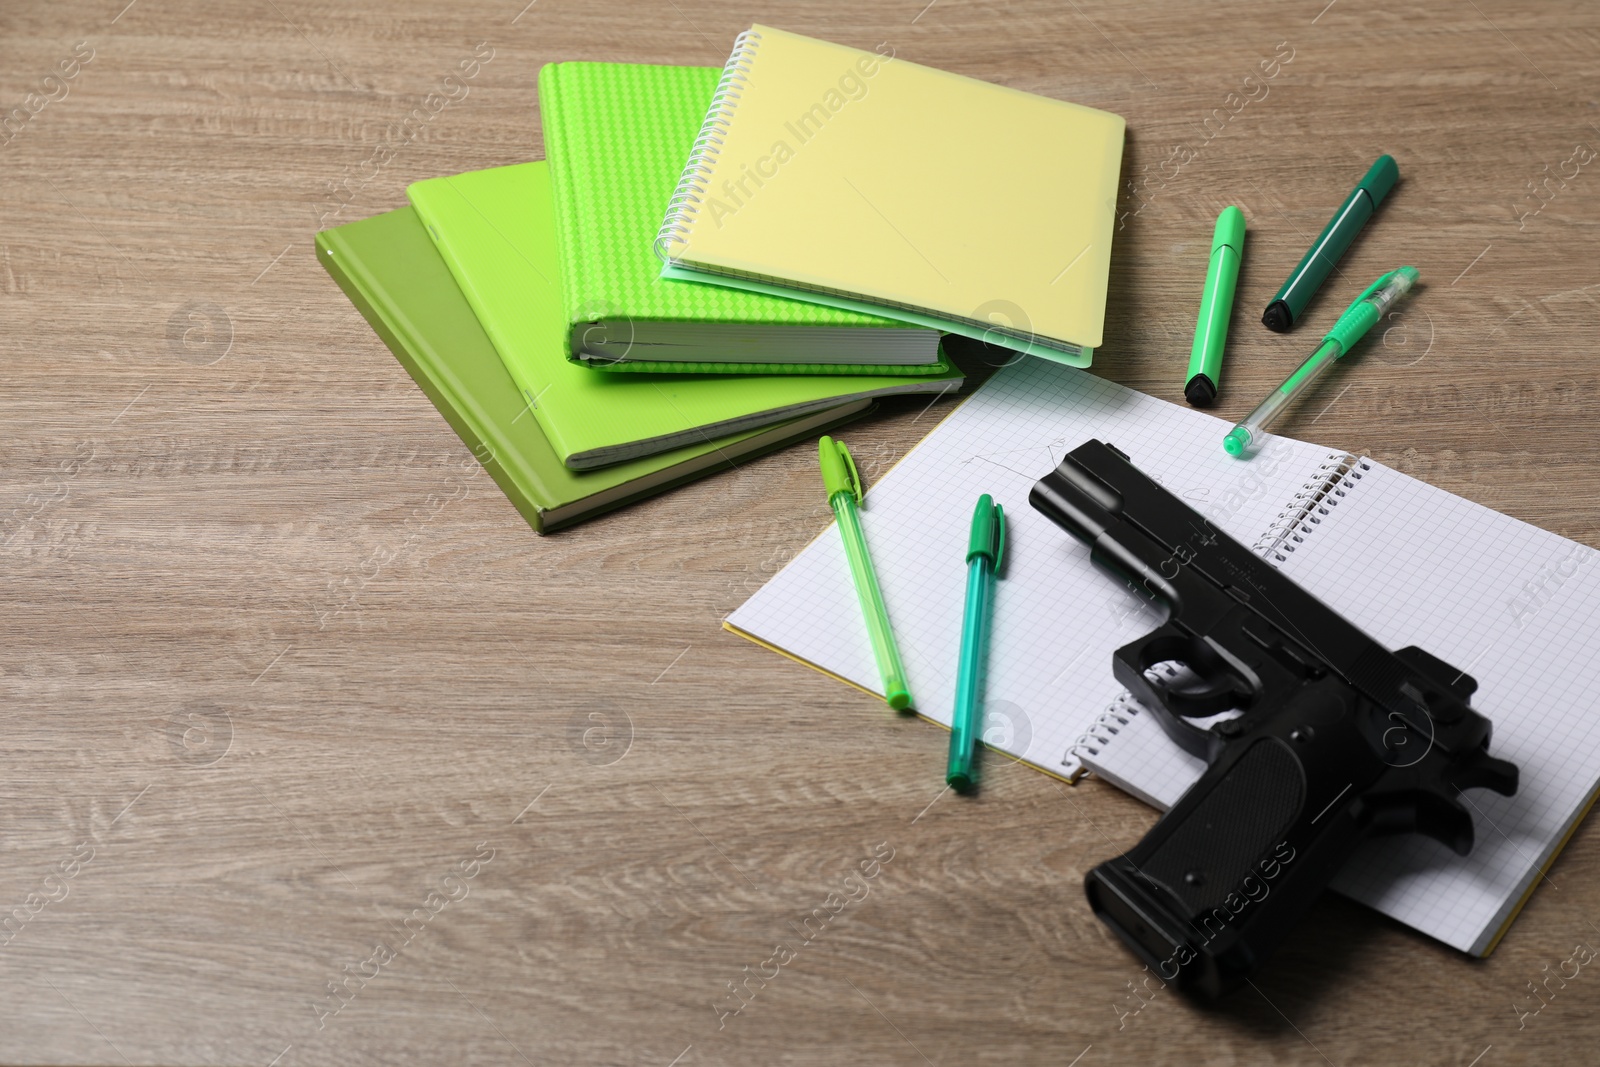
x,y
1516,607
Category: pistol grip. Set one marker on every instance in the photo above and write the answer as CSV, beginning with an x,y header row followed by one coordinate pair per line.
x,y
1203,897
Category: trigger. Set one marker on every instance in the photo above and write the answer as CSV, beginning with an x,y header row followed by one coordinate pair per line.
x,y
1187,693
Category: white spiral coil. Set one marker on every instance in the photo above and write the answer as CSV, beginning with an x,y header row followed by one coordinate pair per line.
x,y
692,184
1335,477
1120,712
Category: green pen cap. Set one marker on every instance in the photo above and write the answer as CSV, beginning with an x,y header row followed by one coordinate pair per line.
x,y
1229,231
839,474
988,537
1380,178
1216,308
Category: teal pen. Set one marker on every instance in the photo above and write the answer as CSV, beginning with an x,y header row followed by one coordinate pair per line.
x,y
985,549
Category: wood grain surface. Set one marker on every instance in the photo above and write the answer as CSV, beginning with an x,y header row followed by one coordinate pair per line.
x,y
314,753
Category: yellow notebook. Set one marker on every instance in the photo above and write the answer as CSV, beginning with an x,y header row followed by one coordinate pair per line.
x,y
866,182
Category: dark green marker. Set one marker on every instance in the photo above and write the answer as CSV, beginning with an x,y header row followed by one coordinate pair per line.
x,y
1291,301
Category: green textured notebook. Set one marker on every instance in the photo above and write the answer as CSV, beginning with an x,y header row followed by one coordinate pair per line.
x,y
616,136
496,231
389,269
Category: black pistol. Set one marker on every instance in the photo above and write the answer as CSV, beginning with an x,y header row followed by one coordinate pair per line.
x,y
1338,738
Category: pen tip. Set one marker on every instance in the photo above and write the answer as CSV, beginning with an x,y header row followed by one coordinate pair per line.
x,y
1277,318
1200,391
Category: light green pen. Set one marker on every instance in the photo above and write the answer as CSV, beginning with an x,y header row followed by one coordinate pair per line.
x,y
843,482
1368,309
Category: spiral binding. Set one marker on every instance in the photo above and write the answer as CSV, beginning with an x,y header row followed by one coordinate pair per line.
x,y
1107,725
692,184
1335,477
1121,711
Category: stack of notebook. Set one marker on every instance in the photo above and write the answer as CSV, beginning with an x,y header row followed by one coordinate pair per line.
x,y
710,264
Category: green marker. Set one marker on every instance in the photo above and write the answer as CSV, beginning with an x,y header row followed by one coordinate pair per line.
x,y
986,546
1216,306
1369,308
843,482
1286,307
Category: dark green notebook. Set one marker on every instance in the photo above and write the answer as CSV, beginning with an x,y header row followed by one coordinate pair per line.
x,y
389,269
616,136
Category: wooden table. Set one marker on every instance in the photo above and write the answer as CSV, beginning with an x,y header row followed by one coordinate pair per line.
x,y
304,765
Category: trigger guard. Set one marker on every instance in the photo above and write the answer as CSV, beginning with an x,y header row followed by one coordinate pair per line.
x,y
1173,708
1217,692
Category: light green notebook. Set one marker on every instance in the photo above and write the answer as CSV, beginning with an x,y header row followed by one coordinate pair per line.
x,y
495,229
616,136
389,269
